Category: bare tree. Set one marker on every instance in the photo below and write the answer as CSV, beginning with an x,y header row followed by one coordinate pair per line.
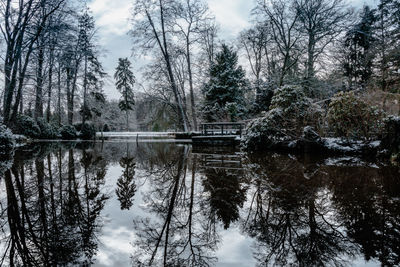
x,y
22,26
150,30
321,21
283,19
190,20
254,41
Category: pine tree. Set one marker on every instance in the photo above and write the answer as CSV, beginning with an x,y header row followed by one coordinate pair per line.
x,y
126,187
224,93
124,81
388,33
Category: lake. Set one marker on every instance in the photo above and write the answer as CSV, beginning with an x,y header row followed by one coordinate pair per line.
x,y
166,204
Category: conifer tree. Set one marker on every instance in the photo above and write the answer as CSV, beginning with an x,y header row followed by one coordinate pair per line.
x,y
224,93
124,82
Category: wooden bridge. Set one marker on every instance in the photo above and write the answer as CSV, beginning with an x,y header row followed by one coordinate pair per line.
x,y
219,133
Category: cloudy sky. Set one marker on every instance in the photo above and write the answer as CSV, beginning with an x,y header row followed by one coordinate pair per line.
x,y
112,20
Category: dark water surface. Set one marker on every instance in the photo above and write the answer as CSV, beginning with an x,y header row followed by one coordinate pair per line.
x,y
164,204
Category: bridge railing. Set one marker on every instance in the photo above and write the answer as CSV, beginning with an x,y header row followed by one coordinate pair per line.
x,y
222,128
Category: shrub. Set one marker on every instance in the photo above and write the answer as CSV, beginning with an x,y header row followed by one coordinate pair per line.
x,y
290,112
87,131
48,131
7,140
290,98
27,126
264,132
68,132
350,117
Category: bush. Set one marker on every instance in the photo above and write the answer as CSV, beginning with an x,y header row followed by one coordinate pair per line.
x,y
87,131
265,132
289,98
7,140
351,117
68,132
290,112
27,126
48,131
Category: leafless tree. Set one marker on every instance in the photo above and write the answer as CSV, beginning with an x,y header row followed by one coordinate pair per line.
x,y
151,20
21,27
283,19
321,21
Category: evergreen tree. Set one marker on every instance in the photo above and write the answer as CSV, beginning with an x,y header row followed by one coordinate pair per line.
x,y
388,36
359,53
224,93
124,81
126,187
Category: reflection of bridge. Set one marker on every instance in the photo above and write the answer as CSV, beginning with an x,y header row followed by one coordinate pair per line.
x,y
231,162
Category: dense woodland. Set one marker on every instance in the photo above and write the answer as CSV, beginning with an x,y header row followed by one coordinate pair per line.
x,y
54,81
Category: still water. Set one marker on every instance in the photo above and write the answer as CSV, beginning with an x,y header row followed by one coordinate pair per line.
x,y
166,204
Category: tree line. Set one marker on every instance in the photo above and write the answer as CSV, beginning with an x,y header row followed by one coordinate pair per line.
x,y
322,46
51,62
52,72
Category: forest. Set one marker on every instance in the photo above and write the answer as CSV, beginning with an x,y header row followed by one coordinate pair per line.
x,y
321,63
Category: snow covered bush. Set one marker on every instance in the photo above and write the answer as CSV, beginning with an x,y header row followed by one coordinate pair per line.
x,y
351,117
265,132
68,132
290,111
48,131
290,98
7,140
27,126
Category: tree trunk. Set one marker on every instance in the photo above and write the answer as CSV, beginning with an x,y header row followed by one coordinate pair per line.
x,y
310,59
127,120
70,105
51,63
59,95
39,84
192,104
85,90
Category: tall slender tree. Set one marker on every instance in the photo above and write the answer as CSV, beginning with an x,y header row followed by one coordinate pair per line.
x,y
152,21
125,81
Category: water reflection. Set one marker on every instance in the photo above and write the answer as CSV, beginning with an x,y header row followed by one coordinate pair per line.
x,y
126,187
52,210
59,201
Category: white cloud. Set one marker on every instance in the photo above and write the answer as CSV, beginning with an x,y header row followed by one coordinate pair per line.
x,y
112,17
232,15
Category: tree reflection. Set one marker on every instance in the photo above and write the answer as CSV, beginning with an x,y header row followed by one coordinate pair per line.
x,y
367,201
226,194
53,206
179,236
291,217
126,187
